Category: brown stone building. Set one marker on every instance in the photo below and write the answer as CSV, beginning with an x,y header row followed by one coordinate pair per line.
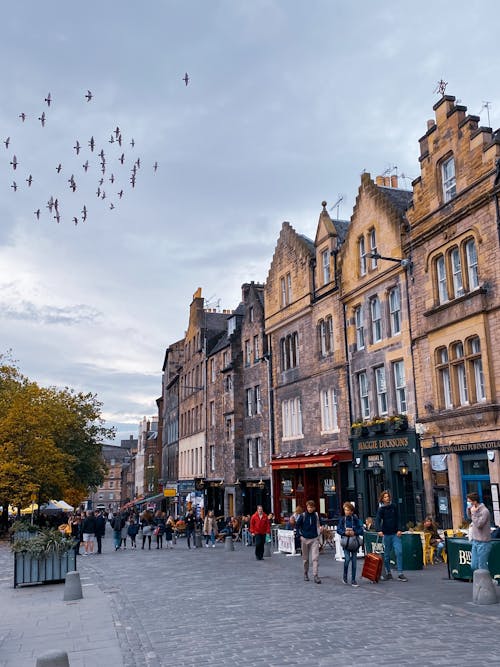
x,y
309,385
454,243
374,292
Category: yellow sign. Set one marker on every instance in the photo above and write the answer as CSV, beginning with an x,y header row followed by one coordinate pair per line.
x,y
169,492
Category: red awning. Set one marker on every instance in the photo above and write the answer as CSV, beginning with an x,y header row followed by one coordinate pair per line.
x,y
305,460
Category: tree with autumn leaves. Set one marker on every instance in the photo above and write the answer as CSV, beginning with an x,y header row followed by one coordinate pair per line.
x,y
50,441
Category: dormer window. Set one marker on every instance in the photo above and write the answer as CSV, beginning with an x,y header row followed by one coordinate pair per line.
x,y
448,177
231,325
325,262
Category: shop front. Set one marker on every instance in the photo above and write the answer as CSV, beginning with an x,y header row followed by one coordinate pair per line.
x,y
323,477
389,461
456,469
253,493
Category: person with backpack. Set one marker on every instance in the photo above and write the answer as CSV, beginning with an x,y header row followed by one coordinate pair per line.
x,y
309,530
350,530
132,530
116,525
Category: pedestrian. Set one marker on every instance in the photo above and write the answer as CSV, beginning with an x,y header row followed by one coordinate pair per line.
x,y
147,528
190,522
350,528
260,527
117,526
76,532
100,529
132,530
309,529
159,528
480,534
169,532
387,525
88,530
210,528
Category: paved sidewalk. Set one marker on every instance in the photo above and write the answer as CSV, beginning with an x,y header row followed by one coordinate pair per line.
x,y
216,607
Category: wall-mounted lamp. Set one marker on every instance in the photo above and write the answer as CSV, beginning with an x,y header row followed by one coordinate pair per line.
x,y
261,484
403,468
402,261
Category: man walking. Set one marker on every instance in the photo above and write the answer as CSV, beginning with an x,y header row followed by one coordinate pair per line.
x,y
260,526
309,530
88,530
190,528
388,527
480,532
100,529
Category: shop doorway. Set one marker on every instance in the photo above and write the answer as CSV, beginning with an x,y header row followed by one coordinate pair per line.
x,y
476,478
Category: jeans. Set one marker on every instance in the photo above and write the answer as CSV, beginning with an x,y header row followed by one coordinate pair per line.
x,y
393,542
117,538
210,538
190,536
479,555
350,557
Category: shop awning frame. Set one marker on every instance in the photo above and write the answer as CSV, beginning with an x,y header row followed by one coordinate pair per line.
x,y
310,460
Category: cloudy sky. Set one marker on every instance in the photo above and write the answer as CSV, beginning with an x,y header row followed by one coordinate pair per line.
x,y
288,102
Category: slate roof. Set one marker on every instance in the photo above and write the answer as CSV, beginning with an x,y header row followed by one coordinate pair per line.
x,y
341,226
400,198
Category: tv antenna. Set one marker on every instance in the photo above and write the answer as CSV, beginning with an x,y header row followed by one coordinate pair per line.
x,y
212,302
441,87
340,198
486,105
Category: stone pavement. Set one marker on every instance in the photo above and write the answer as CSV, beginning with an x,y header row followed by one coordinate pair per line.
x,y
216,607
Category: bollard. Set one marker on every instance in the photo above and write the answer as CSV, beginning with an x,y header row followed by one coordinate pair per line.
x,y
483,588
267,549
72,587
53,659
197,541
228,543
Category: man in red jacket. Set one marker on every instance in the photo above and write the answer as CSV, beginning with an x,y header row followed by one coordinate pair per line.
x,y
259,528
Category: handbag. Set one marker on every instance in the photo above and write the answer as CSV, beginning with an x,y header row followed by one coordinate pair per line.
x,y
378,547
157,530
351,543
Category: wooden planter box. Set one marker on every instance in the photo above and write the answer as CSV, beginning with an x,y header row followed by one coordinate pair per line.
x,y
29,569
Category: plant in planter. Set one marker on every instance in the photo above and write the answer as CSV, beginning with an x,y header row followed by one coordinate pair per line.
x,y
398,422
23,530
377,424
359,428
47,556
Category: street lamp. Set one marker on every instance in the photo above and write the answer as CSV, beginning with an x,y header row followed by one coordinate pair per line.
x,y
405,262
403,468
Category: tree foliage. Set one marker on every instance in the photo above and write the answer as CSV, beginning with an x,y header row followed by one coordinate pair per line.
x,y
50,440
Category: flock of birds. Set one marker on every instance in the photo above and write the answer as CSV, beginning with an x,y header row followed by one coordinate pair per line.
x,y
108,165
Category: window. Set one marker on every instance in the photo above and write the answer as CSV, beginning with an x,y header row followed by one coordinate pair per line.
x,y
459,376
286,289
249,402
250,452
256,350
444,382
212,457
228,383
248,353
251,314
395,311
212,370
325,330
225,359
289,348
373,247
442,280
212,413
291,412
363,395
360,330
111,484
111,496
398,368
260,459
258,400
231,326
325,262
449,181
329,415
381,390
229,429
376,319
289,286
476,364
456,267
362,256
283,291
471,258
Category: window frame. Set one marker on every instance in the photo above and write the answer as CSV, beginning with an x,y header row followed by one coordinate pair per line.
x,y
449,178
394,298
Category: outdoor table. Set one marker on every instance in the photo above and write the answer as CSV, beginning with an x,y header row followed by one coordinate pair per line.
x,y
459,549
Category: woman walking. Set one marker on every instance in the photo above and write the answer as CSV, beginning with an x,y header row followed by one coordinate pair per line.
x,y
210,528
350,529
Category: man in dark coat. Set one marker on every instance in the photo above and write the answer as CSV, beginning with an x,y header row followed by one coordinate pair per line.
x,y
100,529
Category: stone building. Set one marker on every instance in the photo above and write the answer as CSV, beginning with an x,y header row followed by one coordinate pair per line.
x,y
374,292
454,244
109,496
309,388
172,366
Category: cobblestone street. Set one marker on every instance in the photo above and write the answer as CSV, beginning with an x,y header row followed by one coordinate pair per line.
x,y
216,607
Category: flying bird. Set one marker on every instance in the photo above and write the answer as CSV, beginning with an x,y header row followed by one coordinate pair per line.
x,y
138,163
77,147
111,179
22,116
101,154
88,96
103,196
14,162
58,168
75,220
86,165
122,157
155,166
120,194
111,206
185,78
7,142
14,186
84,213
92,143
57,217
37,213
132,142
112,139
132,180
42,119
103,167
98,193
101,181
48,99
119,140
29,180
117,131
50,204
